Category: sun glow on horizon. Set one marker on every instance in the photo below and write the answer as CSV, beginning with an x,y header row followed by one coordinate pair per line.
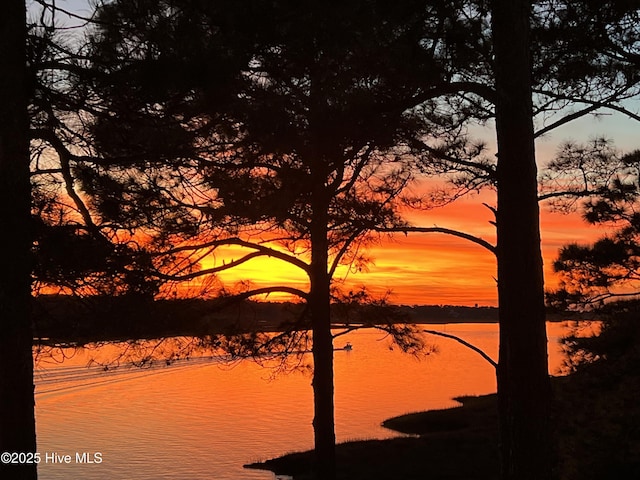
x,y
421,268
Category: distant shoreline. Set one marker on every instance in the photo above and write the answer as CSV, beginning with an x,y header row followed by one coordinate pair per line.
x,y
70,320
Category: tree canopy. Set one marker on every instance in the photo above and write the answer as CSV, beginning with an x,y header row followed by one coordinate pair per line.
x,y
292,130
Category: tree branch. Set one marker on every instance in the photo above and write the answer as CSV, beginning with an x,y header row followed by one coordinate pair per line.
x,y
566,193
592,103
273,289
478,350
446,231
261,250
210,271
566,119
488,169
65,156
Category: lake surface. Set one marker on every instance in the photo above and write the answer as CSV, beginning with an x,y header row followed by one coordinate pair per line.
x,y
203,419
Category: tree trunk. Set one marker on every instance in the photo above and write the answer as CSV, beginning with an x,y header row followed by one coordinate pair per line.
x,y
523,380
319,306
17,422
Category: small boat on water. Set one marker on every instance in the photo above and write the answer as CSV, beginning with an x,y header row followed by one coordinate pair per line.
x,y
347,347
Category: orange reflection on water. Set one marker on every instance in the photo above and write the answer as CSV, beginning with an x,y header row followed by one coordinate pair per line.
x,y
203,420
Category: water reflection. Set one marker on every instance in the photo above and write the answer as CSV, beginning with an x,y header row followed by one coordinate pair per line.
x,y
200,417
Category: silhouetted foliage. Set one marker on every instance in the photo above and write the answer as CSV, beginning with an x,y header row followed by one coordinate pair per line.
x,y
278,127
600,418
593,274
86,242
290,127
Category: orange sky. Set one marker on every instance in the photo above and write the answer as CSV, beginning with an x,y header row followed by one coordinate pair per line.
x,y
431,268
440,269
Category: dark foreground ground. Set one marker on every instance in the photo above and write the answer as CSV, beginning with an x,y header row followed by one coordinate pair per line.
x,y
596,416
457,443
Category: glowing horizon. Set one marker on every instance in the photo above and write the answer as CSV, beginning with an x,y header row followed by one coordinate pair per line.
x,y
428,268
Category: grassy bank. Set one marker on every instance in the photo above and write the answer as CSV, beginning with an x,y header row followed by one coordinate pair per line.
x,y
454,444
596,417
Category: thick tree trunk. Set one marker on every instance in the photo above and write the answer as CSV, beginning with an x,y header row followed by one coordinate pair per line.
x,y
319,303
523,380
17,423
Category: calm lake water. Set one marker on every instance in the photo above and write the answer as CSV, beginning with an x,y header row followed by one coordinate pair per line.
x,y
203,419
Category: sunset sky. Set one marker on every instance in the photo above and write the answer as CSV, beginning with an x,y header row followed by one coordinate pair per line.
x,y
430,268
441,269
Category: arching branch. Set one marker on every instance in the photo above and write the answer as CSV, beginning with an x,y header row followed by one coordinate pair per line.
x,y
267,290
210,271
566,119
566,193
261,250
488,169
446,231
593,103
450,88
478,350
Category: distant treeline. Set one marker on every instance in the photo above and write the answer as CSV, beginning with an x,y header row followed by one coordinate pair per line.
x,y
75,320
451,314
